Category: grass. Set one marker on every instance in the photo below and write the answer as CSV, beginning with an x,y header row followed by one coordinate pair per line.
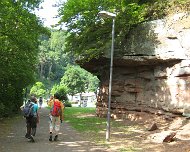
x,y
130,149
85,121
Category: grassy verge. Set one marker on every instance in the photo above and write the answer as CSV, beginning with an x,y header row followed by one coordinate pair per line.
x,y
85,121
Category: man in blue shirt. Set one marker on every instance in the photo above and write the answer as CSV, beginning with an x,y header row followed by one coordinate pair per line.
x,y
31,121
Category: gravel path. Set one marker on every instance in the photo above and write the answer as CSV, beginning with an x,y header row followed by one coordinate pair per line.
x,y
13,140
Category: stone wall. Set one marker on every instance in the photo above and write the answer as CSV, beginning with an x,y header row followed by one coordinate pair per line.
x,y
152,74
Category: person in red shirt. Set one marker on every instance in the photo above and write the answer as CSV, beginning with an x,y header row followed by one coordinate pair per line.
x,y
56,116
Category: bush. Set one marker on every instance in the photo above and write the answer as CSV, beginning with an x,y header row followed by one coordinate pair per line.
x,y
2,109
67,104
61,91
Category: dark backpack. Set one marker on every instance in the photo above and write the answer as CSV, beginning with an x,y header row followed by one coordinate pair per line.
x,y
56,109
28,110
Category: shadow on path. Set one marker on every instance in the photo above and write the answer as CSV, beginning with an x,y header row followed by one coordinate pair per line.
x,y
13,140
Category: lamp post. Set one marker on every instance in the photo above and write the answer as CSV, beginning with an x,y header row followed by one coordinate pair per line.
x,y
105,14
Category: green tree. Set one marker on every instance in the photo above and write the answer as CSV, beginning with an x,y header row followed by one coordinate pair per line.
x,y
90,35
74,80
19,33
52,58
38,89
93,83
60,57
61,90
78,80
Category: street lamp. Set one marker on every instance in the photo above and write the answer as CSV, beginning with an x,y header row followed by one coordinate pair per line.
x,y
105,14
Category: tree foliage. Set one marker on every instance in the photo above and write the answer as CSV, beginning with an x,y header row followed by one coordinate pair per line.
x,y
90,35
78,80
61,90
19,33
93,83
53,61
52,58
38,89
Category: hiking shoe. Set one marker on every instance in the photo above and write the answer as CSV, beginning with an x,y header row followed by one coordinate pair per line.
x,y
50,138
56,137
27,136
32,138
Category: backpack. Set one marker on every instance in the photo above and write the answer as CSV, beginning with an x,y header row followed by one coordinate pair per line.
x,y
28,110
56,109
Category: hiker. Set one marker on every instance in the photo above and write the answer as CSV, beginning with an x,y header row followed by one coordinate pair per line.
x,y
56,116
32,119
40,102
50,99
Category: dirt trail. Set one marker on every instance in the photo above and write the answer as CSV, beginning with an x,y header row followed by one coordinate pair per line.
x,y
13,140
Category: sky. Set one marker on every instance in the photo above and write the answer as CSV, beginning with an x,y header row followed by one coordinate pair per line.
x,y
48,13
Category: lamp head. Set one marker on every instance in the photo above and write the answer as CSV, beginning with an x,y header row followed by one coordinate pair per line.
x,y
105,14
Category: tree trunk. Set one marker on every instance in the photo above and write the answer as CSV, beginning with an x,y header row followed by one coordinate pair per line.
x,y
80,99
41,69
50,67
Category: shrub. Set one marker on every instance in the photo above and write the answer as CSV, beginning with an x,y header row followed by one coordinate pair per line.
x,y
67,104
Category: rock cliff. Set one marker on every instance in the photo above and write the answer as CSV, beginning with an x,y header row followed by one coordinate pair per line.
x,y
153,72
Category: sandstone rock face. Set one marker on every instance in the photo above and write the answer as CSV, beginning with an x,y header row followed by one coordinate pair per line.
x,y
153,73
